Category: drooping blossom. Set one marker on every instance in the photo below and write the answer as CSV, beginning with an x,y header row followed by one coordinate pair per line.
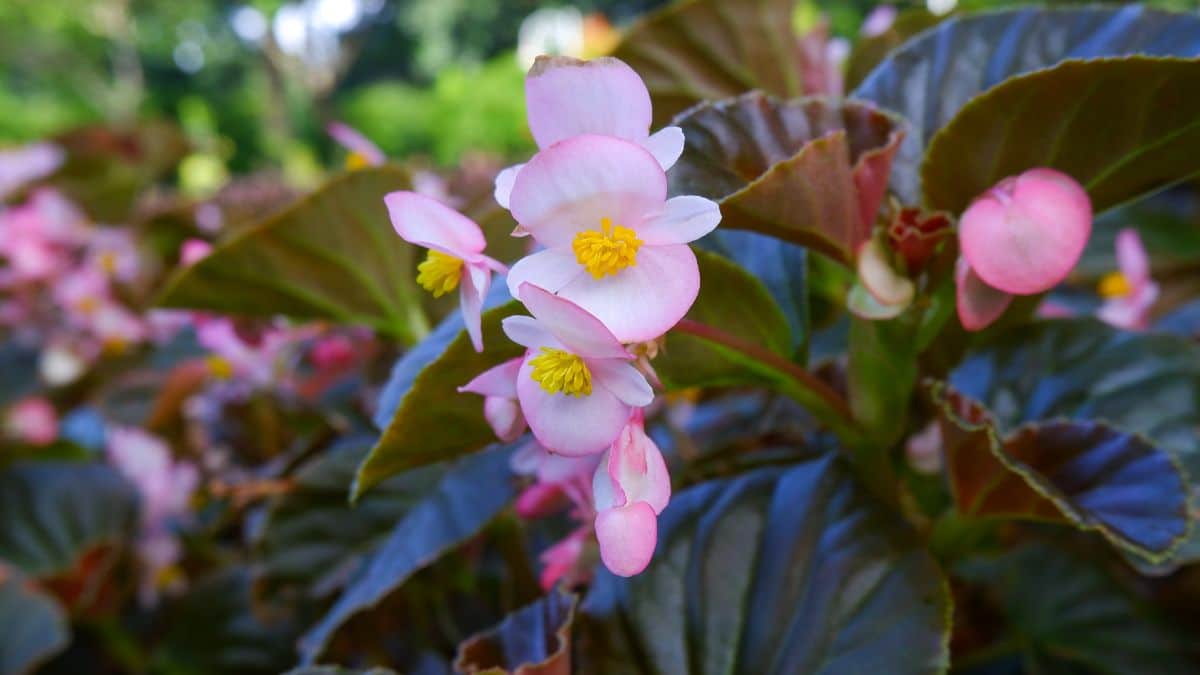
x,y
1129,292
1021,237
566,97
33,421
577,386
615,245
631,487
165,487
455,258
363,152
501,408
19,166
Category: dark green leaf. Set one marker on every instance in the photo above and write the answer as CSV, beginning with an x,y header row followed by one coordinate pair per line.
x,y
534,640
35,627
1148,135
332,255
929,79
881,376
51,513
433,422
1079,472
314,539
700,50
468,494
1067,615
810,171
791,570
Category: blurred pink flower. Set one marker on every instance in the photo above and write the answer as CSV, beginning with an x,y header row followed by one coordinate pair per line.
x,y
566,97
455,258
193,251
363,151
19,166
616,246
1129,292
114,252
631,487
577,386
879,21
33,421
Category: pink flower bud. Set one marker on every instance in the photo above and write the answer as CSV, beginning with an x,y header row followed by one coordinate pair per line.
x,y
1025,235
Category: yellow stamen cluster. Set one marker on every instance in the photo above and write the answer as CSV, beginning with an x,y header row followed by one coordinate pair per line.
x,y
219,367
356,161
607,250
108,262
1114,285
440,273
559,371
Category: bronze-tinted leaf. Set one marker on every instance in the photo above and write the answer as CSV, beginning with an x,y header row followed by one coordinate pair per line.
x,y
534,640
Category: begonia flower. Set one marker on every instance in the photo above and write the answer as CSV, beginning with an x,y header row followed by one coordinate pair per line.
x,y
501,409
455,258
1021,237
615,245
19,166
1129,292
363,152
114,252
577,385
631,487
566,97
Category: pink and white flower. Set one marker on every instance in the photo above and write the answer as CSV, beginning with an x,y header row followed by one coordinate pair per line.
x,y
615,245
1021,237
501,409
1130,292
577,385
19,166
33,421
362,151
114,252
631,487
455,258
566,97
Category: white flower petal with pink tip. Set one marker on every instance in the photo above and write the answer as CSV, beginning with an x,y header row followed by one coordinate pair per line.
x,y
550,268
1132,259
581,333
682,220
574,185
473,288
644,301
499,380
566,97
627,537
632,470
426,222
353,140
501,409
504,184
623,380
666,145
1024,235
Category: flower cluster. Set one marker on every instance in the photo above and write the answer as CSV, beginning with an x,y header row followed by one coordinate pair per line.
x,y
612,271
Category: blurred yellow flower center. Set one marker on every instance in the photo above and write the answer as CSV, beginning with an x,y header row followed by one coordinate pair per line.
x,y
108,262
440,273
219,367
559,371
607,250
356,161
1114,285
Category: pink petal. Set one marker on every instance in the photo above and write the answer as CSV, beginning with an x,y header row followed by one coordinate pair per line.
x,y
1132,259
623,380
574,184
551,269
683,219
635,466
572,425
527,332
504,184
666,145
472,289
540,500
504,416
561,558
644,301
193,251
567,97
498,380
351,139
1026,234
582,334
978,304
627,537
425,221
